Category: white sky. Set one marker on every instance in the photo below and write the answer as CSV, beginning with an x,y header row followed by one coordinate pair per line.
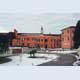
x,y
51,22
39,6
29,15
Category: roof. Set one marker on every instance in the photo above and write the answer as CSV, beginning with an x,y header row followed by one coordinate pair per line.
x,y
37,34
68,27
29,34
52,34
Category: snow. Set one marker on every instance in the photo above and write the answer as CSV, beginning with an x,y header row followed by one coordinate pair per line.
x,y
76,63
42,57
24,60
64,52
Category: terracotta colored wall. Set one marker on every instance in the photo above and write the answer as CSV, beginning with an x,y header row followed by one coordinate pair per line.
x,y
57,41
67,38
51,40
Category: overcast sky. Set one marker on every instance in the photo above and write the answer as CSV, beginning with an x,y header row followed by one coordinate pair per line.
x,y
51,22
29,15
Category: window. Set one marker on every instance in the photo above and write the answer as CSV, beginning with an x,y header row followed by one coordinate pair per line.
x,y
51,40
22,39
46,40
33,39
59,40
18,38
41,40
18,43
22,44
67,31
38,40
68,38
73,31
46,46
28,39
28,44
62,32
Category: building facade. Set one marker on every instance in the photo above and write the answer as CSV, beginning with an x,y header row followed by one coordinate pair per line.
x,y
41,40
37,40
67,37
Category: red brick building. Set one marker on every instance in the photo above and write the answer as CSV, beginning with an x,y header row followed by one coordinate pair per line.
x,y
67,37
37,40
41,40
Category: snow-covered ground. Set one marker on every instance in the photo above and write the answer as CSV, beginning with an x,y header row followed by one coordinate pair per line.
x,y
24,60
64,52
